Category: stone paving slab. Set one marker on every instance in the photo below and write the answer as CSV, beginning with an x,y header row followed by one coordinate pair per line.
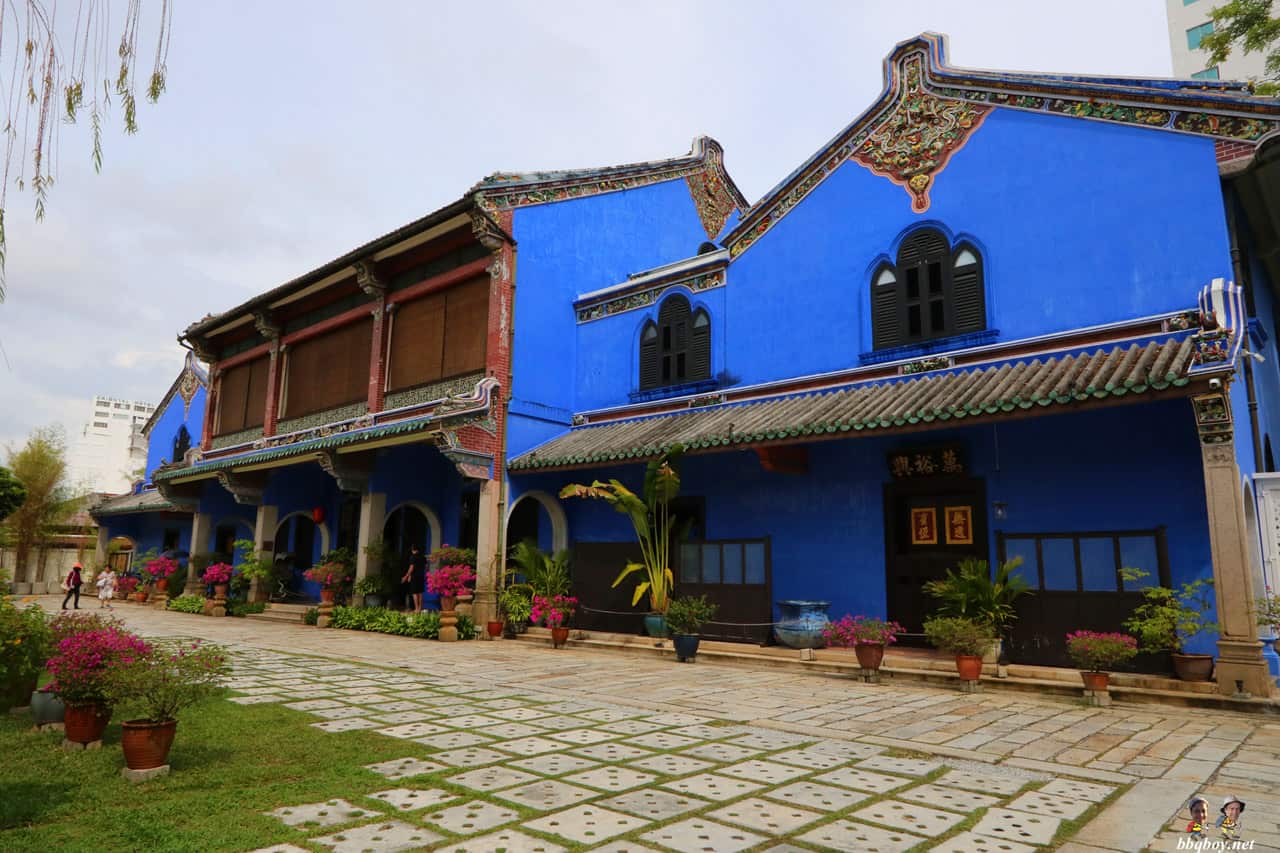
x,y
587,824
668,764
768,772
547,794
725,752
863,780
967,842
712,787
817,796
611,778
412,799
328,813
696,835
974,781
912,817
403,768
612,751
492,778
1017,826
765,816
654,804
850,837
470,818
902,766
554,764
1037,802
943,797
506,840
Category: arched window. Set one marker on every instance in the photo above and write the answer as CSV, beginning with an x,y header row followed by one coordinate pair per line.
x,y
181,443
676,349
933,291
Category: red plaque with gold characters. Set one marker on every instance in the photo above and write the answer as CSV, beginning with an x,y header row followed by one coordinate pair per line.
x,y
924,526
959,525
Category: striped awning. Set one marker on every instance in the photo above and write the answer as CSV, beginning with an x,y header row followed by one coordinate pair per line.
x,y
881,406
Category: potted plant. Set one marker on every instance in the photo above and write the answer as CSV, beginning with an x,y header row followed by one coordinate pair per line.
x,y
971,591
965,638
126,586
24,645
555,612
158,570
219,575
516,607
373,588
449,582
650,516
1096,653
1268,614
685,617
330,576
79,671
1167,618
155,687
867,635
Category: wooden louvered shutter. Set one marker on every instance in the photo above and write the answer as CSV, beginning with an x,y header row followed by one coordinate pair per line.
x,y
649,357
968,296
886,323
330,370
231,395
255,398
700,348
417,343
922,247
466,327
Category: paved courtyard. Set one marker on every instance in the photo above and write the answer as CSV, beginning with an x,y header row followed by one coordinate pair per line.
x,y
533,749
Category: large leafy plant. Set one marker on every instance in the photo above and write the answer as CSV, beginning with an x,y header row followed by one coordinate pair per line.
x,y
1167,618
959,635
971,591
650,515
544,574
165,679
24,642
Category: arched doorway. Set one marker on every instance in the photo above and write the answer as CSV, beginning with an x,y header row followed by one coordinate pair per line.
x,y
225,534
120,552
410,523
300,541
538,516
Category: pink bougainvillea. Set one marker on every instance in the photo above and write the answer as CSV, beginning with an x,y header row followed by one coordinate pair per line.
x,y
1097,651
450,580
80,667
328,575
554,611
218,573
160,568
860,631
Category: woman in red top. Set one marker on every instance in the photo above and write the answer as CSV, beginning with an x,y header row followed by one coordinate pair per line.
x,y
72,586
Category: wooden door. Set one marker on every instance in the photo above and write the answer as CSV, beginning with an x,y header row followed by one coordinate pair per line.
x,y
930,526
735,576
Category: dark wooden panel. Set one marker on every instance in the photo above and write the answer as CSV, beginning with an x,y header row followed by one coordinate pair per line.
x,y
329,370
417,343
595,565
466,326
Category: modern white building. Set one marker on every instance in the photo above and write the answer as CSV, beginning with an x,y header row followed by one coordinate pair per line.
x,y
1189,22
110,446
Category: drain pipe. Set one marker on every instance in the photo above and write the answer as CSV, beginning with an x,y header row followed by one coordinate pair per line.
x,y
1242,278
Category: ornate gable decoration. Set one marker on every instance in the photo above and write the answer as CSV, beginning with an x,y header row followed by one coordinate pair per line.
x,y
631,300
711,192
915,137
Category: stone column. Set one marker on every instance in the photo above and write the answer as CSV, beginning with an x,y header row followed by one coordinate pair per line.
x,y
100,550
488,558
201,530
264,535
373,514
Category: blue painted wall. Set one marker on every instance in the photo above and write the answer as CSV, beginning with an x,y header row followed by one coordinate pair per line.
x,y
1087,471
1080,223
574,247
165,428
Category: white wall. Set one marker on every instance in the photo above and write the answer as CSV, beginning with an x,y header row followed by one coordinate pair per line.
x,y
1182,17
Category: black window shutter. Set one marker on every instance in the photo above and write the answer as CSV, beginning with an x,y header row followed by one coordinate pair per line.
x,y
649,357
968,298
886,329
701,351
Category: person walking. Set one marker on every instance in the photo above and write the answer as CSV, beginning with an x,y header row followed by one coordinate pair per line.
x,y
72,585
415,577
106,588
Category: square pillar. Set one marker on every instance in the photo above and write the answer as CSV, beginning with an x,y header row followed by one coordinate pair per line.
x,y
201,530
100,549
373,514
264,535
488,556
1239,649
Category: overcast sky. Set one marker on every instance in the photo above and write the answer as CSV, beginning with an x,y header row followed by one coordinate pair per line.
x,y
291,135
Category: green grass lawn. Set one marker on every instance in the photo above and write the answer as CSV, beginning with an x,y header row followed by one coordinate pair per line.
x,y
230,763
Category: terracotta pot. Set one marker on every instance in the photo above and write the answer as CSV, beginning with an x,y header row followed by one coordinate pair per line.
x,y
1095,681
494,627
869,654
140,597
969,667
85,723
448,602
146,744
220,590
326,596
162,585
559,636
1193,667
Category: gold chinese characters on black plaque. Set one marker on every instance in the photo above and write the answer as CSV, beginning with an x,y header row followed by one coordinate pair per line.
x,y
926,462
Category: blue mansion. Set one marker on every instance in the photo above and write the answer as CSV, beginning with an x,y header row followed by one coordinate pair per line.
x,y
998,315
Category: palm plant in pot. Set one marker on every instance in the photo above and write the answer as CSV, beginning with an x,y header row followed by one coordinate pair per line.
x,y
654,524
867,635
1168,618
685,617
517,607
972,591
967,639
154,688
1096,653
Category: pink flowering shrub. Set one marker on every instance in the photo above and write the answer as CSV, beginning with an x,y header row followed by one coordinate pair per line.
x,y
160,568
218,573
79,669
1096,651
860,630
554,611
127,584
450,580
328,575
157,685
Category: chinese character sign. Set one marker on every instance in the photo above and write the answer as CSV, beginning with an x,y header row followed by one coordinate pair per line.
x,y
924,526
959,525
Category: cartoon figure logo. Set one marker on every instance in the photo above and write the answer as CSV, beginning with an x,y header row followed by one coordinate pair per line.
x,y
1229,822
1199,817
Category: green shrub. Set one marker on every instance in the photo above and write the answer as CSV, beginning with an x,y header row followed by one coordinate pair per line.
x,y
424,625
187,604
387,621
312,616
958,635
467,628
687,614
244,608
